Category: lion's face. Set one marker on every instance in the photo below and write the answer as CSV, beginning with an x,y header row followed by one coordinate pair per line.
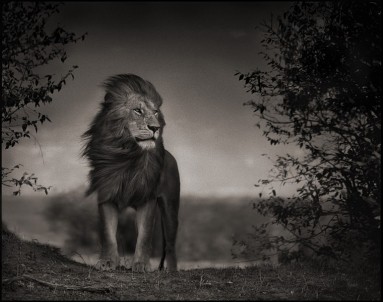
x,y
145,121
136,117
131,110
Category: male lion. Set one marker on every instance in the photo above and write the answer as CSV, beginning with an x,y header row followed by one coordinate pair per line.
x,y
131,168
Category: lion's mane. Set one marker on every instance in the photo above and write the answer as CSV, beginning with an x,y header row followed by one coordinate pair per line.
x,y
121,171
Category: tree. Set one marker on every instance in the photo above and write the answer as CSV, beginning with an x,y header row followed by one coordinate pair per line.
x,y
322,92
27,46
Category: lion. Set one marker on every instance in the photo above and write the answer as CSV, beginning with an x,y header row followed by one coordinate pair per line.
x,y
131,168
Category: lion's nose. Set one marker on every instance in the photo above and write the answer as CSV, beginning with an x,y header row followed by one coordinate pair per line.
x,y
153,128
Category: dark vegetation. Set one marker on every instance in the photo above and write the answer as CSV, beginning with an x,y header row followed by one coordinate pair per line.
x,y
29,44
321,92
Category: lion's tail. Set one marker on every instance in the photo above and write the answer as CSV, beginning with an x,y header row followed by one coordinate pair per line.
x,y
161,265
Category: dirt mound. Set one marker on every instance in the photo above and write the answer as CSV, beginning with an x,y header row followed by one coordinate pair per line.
x,y
34,271
30,257
31,270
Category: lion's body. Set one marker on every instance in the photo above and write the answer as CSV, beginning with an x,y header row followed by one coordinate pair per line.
x,y
131,168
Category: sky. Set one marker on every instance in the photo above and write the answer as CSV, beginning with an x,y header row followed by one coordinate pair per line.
x,y
190,51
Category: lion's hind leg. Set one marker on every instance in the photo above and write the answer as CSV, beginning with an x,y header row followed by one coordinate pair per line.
x,y
169,223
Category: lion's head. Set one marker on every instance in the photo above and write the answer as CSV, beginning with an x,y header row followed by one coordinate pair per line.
x,y
124,142
132,107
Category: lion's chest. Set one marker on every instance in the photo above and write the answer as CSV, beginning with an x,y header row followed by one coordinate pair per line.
x,y
127,177
138,182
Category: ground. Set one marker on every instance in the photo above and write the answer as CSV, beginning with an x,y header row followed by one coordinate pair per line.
x,y
33,271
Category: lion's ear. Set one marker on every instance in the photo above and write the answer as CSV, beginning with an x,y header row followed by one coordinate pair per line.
x,y
108,98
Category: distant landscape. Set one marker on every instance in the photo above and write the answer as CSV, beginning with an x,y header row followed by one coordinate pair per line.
x,y
208,226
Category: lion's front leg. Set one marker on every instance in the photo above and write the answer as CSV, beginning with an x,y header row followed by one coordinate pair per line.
x,y
109,258
145,224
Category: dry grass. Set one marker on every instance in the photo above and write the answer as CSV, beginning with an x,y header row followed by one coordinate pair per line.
x,y
32,271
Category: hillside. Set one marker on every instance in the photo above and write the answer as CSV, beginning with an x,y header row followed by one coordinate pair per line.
x,y
33,271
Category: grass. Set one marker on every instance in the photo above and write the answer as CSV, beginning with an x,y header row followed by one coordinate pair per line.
x,y
34,271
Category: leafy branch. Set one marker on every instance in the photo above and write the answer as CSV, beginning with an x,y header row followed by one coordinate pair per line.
x,y
321,93
27,45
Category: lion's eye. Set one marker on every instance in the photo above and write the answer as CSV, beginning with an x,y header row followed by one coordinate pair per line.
x,y
155,113
138,111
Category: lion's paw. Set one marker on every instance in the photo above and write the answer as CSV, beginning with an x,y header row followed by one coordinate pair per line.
x,y
141,267
126,263
106,265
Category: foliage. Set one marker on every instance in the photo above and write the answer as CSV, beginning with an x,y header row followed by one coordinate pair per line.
x,y
26,179
27,47
322,92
